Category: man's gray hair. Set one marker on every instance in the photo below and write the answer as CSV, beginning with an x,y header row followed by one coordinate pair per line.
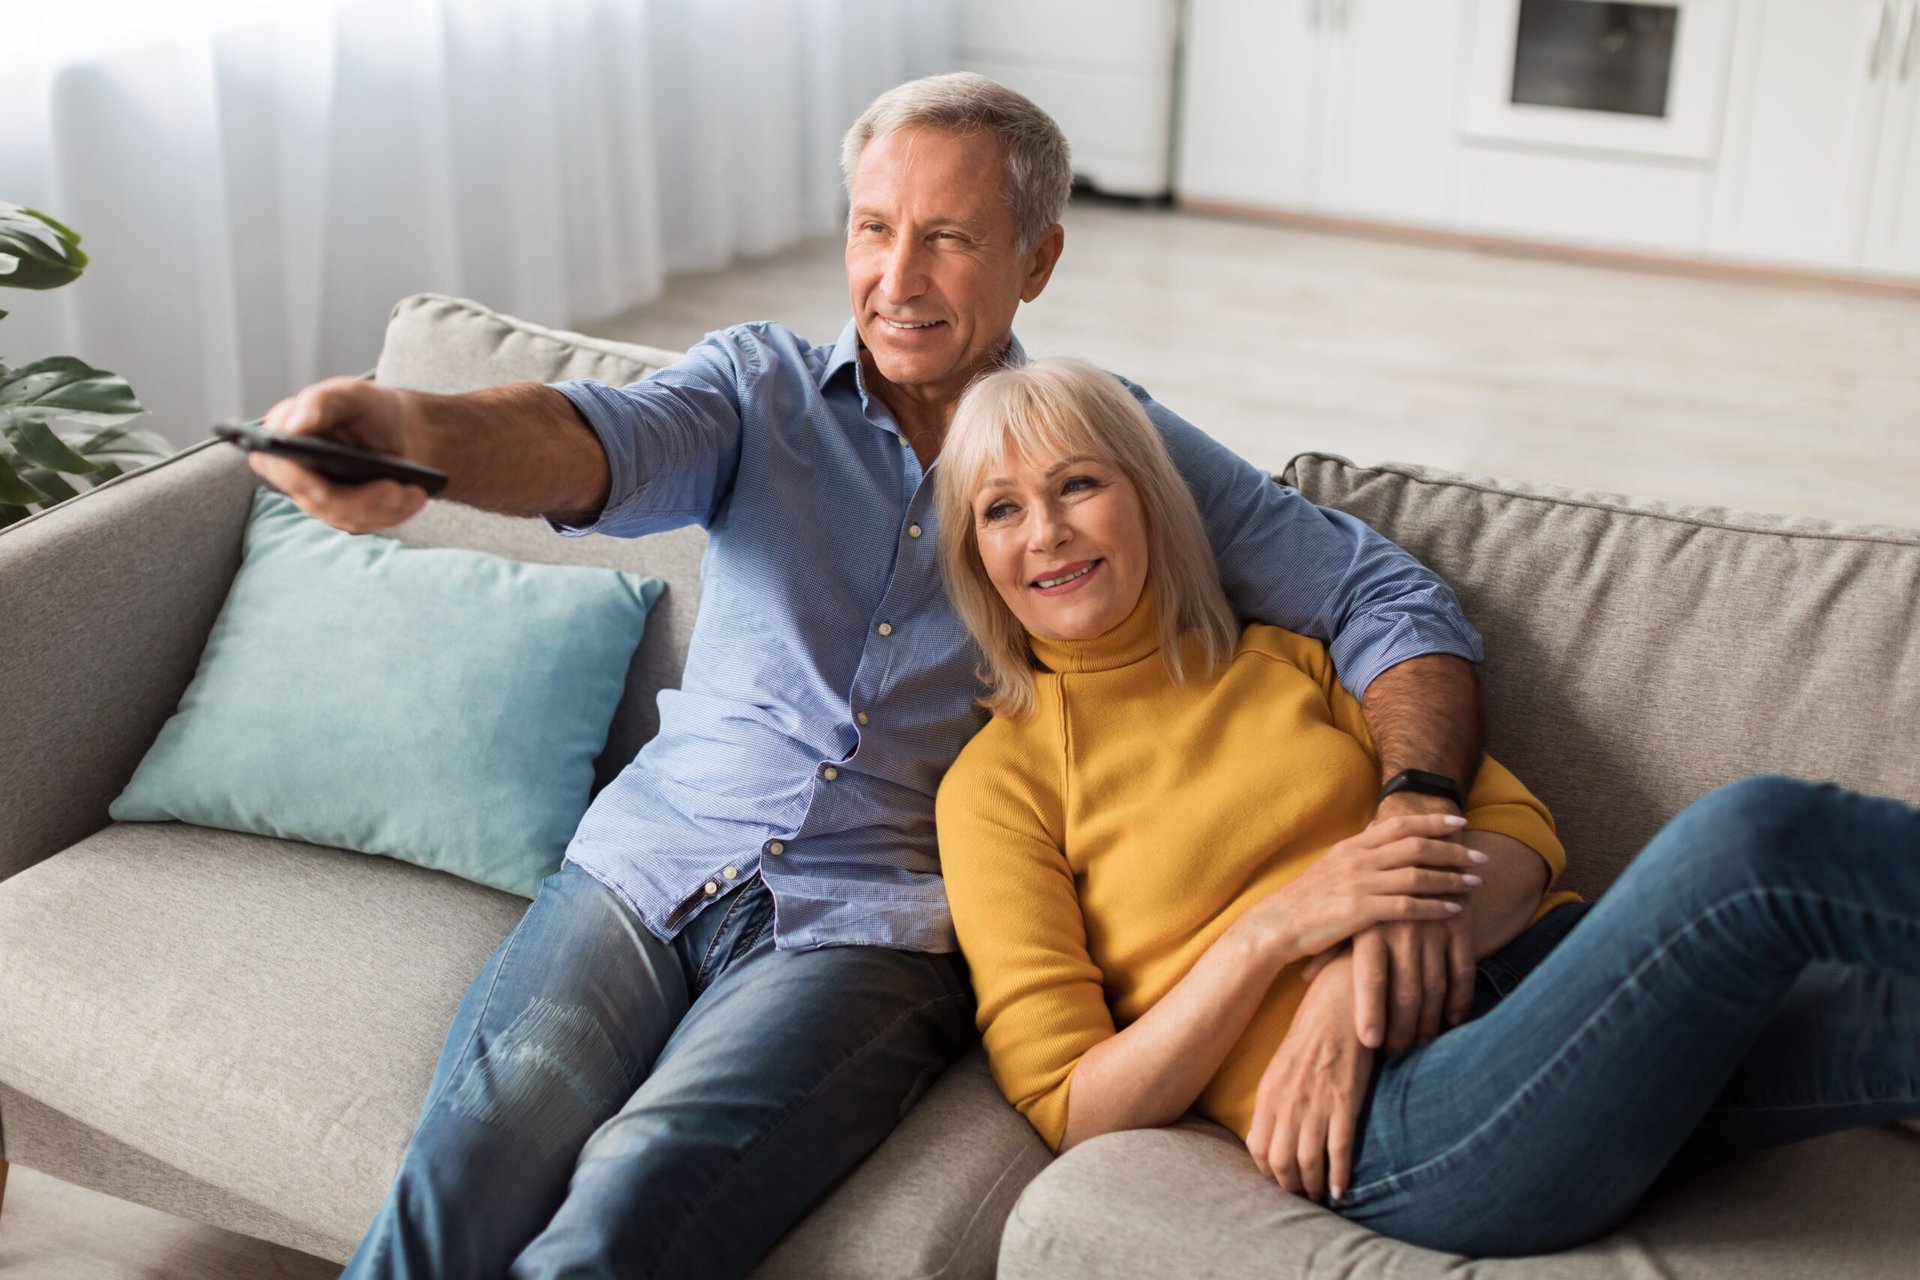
x,y
1039,171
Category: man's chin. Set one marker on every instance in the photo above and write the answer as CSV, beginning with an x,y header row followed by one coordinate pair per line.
x,y
913,369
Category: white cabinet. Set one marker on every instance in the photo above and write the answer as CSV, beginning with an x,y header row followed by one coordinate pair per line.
x,y
1388,135
1811,94
1893,223
1336,106
1249,102
1102,68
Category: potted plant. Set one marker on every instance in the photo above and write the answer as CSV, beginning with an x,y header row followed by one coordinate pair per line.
x,y
59,417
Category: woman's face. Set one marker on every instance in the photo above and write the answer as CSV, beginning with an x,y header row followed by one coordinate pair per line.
x,y
1064,541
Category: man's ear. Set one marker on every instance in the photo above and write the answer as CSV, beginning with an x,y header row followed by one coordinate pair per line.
x,y
1041,260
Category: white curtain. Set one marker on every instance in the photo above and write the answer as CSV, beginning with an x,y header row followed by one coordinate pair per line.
x,y
258,182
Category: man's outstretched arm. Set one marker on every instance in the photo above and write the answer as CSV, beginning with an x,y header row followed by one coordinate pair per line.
x,y
521,449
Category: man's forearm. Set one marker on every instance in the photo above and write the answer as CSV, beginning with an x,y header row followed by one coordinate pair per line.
x,y
521,450
1424,713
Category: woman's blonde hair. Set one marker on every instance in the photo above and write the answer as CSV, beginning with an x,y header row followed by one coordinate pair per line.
x,y
1055,409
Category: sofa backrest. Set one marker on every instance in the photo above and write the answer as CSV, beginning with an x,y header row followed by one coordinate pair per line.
x,y
1640,653
448,345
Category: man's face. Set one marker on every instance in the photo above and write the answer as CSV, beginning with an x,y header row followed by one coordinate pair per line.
x,y
933,265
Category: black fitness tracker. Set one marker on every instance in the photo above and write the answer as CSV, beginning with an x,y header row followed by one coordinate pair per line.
x,y
1426,784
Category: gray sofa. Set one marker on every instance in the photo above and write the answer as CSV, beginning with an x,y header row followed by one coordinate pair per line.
x,y
240,1029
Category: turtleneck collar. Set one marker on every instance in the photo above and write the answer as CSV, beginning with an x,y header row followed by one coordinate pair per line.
x,y
1128,642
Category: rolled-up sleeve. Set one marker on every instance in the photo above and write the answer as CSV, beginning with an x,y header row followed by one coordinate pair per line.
x,y
1305,568
672,440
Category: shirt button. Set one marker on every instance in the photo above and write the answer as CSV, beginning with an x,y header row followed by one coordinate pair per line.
x,y
913,531
885,628
712,888
776,847
861,716
731,873
829,773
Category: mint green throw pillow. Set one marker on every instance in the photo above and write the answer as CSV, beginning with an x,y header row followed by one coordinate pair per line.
x,y
439,706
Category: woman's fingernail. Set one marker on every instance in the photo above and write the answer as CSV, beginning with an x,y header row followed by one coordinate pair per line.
x,y
1454,820
1454,907
1477,856
1470,879
1337,1195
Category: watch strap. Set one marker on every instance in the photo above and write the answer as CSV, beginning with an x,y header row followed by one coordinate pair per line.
x,y
1424,783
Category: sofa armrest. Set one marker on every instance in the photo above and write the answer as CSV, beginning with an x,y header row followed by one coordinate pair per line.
x,y
108,601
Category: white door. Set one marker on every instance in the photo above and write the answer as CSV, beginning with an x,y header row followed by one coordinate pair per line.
x,y
1390,140
1249,102
1893,227
1808,95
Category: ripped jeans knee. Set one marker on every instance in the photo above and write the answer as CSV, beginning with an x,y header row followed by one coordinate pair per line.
x,y
550,1078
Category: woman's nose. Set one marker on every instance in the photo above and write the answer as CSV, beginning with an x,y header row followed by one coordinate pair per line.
x,y
1049,530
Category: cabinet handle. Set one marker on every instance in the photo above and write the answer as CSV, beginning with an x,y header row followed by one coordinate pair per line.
x,y
1877,57
1913,30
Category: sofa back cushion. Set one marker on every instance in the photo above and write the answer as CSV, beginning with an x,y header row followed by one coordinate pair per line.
x,y
1640,653
448,345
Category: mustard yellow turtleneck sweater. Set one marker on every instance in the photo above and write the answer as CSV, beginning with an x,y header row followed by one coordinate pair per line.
x,y
1094,849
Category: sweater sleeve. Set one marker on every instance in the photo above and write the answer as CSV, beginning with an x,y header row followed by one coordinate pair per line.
x,y
1017,912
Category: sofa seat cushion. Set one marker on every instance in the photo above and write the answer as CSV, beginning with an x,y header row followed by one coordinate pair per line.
x,y
1151,1202
262,1015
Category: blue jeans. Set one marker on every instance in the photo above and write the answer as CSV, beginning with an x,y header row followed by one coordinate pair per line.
x,y
610,1105
1752,979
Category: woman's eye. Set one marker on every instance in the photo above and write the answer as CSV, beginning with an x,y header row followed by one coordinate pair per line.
x,y
1077,484
998,511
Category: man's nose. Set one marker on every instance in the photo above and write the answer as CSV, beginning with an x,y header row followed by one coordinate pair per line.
x,y
905,274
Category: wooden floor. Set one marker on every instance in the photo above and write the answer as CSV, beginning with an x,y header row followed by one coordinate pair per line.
x,y
1723,391
1746,393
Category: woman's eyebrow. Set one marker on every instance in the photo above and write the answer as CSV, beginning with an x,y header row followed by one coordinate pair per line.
x,y
1064,463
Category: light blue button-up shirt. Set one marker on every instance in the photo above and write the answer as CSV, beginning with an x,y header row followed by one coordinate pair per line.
x,y
828,682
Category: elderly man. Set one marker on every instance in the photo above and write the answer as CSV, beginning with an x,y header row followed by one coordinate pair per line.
x,y
745,973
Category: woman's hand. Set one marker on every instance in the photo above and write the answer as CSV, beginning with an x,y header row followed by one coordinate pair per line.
x,y
1399,869
1309,1099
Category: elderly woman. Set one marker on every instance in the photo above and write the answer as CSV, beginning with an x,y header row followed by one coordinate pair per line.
x,y
1152,926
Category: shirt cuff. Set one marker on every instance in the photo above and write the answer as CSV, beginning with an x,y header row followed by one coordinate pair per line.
x,y
1372,642
608,413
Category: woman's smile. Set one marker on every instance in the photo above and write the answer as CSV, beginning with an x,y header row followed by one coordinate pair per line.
x,y
1072,577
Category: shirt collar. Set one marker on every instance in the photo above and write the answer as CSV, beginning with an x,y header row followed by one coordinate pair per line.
x,y
846,353
1131,641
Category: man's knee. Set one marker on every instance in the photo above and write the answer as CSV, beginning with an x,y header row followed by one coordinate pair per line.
x,y
550,1078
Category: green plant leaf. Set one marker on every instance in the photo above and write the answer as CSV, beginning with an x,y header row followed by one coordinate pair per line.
x,y
37,443
36,251
119,442
50,484
62,389
13,490
10,514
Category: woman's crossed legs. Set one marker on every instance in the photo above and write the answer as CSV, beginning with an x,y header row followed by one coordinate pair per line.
x,y
1752,979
